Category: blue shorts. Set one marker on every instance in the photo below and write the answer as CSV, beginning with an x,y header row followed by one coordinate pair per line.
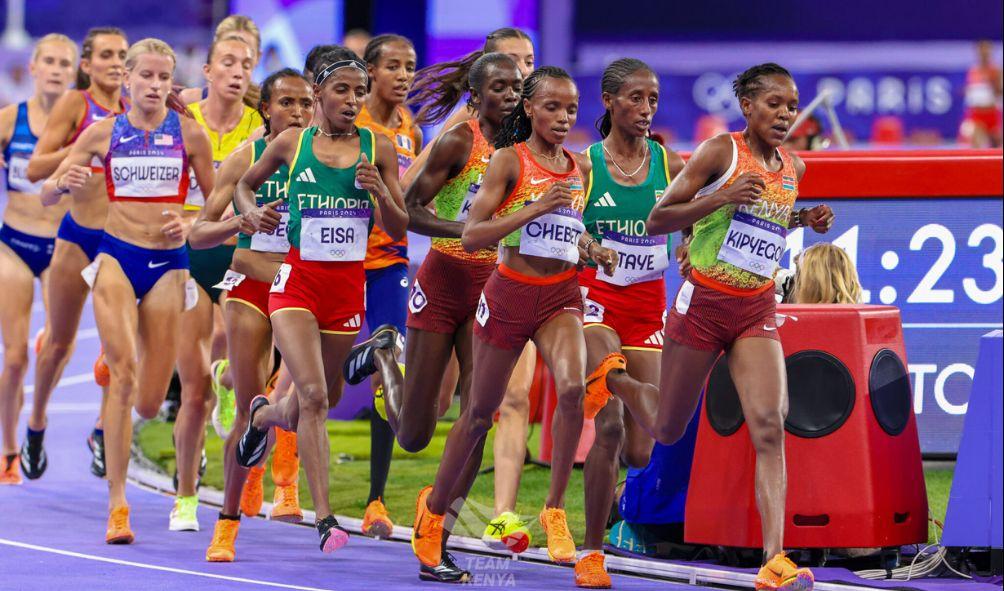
x,y
35,251
143,266
87,239
387,297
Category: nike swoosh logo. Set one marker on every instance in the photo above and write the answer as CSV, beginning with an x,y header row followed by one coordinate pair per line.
x,y
537,181
769,328
129,138
486,159
151,264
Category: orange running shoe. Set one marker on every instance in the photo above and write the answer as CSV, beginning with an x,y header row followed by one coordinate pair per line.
x,y
560,546
427,535
286,504
102,375
376,521
781,574
10,471
285,462
597,393
253,496
591,572
221,549
118,531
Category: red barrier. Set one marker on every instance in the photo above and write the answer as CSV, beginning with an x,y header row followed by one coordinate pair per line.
x,y
855,478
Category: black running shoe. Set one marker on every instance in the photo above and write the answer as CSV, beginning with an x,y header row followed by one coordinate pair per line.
x,y
33,458
361,363
96,443
251,446
446,572
333,536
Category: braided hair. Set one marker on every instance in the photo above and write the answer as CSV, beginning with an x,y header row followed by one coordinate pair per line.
x,y
267,86
750,83
613,78
439,87
516,127
372,54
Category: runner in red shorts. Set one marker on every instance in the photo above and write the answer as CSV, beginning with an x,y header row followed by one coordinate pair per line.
x,y
624,311
445,293
531,200
342,180
738,191
286,102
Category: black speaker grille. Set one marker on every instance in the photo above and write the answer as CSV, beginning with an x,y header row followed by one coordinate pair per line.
x,y
725,413
820,394
889,389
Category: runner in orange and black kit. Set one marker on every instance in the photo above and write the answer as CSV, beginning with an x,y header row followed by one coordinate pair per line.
x,y
139,274
738,191
286,102
535,210
391,62
98,96
625,311
445,292
342,180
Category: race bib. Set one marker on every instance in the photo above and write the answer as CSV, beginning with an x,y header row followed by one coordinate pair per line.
x,y
191,294
276,240
146,176
465,207
417,300
592,312
17,176
753,244
334,234
90,272
195,199
482,314
553,235
230,280
639,258
281,277
683,299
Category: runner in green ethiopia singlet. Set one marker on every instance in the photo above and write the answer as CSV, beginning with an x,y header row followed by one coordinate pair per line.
x,y
272,189
616,214
329,218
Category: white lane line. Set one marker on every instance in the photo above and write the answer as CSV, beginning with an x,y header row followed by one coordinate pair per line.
x,y
66,408
80,378
154,567
82,335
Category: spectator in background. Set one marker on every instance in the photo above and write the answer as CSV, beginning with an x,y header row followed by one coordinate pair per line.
x,y
15,86
355,40
981,127
825,275
808,136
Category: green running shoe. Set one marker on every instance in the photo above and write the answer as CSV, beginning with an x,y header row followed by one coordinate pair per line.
x,y
184,515
507,532
225,410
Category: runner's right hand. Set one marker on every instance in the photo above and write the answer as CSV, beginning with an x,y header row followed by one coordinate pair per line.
x,y
558,195
745,190
264,219
75,177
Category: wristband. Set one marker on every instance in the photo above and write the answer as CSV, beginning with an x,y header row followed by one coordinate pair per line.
x,y
798,217
589,243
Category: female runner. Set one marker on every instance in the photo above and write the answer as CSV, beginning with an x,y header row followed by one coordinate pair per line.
x,y
27,239
229,123
391,63
439,88
624,311
98,95
738,190
534,209
445,293
286,102
316,303
139,274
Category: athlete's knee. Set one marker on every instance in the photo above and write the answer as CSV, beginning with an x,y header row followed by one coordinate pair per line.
x,y
515,403
414,440
148,409
56,346
313,400
766,429
609,435
570,393
15,360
